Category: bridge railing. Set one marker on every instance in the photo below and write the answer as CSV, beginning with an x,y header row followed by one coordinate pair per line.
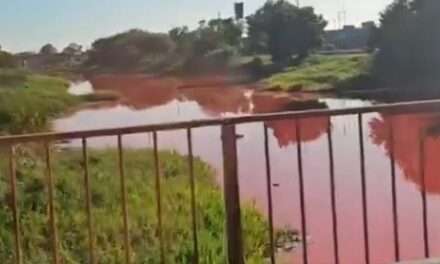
x,y
231,182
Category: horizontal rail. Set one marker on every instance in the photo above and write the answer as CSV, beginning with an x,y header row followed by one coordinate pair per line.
x,y
414,107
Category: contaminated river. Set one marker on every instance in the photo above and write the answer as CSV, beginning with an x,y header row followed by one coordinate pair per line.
x,y
145,100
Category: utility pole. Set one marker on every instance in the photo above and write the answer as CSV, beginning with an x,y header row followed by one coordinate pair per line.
x,y
297,3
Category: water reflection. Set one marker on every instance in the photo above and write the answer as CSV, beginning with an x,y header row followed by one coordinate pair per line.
x,y
285,130
408,131
216,101
142,92
138,91
146,100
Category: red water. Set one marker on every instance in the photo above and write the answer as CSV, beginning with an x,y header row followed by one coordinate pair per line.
x,y
147,101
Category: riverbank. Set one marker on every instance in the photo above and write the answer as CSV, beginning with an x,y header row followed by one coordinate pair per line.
x,y
106,209
38,99
321,73
28,101
348,76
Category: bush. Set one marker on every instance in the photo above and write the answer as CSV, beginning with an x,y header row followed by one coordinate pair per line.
x,y
214,61
129,49
28,106
12,78
7,60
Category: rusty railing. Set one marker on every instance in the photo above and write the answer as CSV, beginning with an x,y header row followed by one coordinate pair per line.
x,y
231,183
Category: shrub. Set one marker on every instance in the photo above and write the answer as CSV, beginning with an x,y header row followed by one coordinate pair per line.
x,y
7,60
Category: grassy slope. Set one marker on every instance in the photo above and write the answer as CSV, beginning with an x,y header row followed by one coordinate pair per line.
x,y
105,181
28,101
321,72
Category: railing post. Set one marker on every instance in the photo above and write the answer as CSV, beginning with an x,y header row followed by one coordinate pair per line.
x,y
232,195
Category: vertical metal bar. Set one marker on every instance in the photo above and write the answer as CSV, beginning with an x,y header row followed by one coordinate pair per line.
x,y
232,195
394,193
13,186
52,220
301,191
424,198
124,201
364,189
333,191
193,195
158,197
88,195
269,194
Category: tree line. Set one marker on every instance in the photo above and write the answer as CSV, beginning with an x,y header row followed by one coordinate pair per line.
x,y
278,28
405,43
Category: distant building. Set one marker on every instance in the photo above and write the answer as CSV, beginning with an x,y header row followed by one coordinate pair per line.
x,y
349,38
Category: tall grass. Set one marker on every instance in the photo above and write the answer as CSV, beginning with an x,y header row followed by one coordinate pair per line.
x,y
106,199
27,101
320,72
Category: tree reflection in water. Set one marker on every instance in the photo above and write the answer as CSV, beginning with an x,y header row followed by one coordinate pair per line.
x,y
408,131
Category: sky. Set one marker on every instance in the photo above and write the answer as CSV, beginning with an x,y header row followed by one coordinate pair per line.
x,y
26,25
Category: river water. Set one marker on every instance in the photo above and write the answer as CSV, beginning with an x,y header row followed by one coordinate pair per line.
x,y
145,100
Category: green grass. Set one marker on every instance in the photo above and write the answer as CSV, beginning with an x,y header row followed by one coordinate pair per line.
x,y
29,101
106,211
320,72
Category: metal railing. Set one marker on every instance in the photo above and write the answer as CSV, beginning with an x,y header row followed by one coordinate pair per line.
x,y
231,183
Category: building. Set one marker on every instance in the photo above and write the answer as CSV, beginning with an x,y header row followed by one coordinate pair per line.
x,y
349,38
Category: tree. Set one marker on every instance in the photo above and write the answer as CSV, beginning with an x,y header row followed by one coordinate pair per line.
x,y
130,48
230,31
72,49
209,36
283,30
408,40
48,49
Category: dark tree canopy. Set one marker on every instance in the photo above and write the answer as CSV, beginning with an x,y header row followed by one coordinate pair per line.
x,y
210,46
283,30
408,41
130,48
48,49
72,49
209,36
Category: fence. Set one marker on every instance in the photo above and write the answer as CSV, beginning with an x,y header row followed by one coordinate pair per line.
x,y
231,183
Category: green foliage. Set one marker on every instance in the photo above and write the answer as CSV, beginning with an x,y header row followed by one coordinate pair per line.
x,y
7,60
210,47
106,210
408,41
210,36
229,30
11,78
321,72
283,30
130,49
48,49
28,102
